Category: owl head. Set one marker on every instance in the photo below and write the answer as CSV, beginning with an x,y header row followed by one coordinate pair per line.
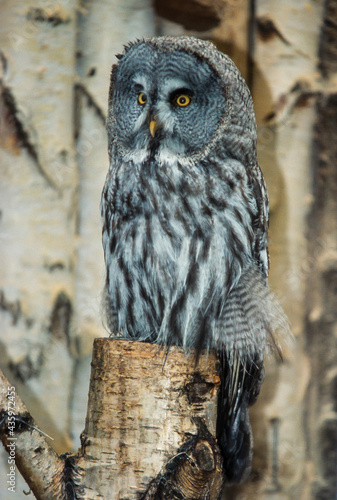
x,y
179,97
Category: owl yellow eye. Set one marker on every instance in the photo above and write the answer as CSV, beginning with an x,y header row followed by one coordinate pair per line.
x,y
142,98
182,100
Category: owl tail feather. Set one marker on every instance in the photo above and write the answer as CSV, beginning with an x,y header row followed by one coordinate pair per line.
x,y
240,386
249,320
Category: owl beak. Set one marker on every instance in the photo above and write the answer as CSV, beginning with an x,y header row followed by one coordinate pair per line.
x,y
154,125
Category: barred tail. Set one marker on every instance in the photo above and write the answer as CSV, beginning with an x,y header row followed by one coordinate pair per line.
x,y
246,329
240,386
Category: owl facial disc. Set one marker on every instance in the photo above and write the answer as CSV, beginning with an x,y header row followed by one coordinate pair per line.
x,y
163,106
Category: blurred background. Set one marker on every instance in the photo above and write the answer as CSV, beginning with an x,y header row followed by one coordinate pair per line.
x,y
55,62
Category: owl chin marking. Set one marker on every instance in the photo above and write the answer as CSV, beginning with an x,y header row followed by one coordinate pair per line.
x,y
161,148
137,157
166,157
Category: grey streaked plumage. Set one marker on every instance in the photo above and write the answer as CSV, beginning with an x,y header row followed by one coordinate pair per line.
x,y
185,219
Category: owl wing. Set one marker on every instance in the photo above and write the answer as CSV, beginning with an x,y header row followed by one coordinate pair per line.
x,y
241,370
261,219
246,319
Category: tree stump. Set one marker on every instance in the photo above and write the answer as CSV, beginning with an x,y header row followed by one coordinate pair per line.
x,y
143,407
149,431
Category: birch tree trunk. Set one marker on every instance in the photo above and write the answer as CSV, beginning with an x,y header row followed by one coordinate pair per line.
x,y
321,304
286,85
38,204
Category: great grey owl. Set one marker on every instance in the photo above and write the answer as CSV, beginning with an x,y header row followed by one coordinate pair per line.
x,y
185,219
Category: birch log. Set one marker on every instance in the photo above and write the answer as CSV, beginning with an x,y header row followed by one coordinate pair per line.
x,y
142,408
149,432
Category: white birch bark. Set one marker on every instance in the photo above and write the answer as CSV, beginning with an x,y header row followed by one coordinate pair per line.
x,y
38,206
285,82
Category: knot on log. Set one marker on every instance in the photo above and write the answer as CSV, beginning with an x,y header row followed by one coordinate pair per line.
x,y
204,456
195,472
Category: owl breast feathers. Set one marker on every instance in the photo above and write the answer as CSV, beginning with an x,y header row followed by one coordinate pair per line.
x,y
185,219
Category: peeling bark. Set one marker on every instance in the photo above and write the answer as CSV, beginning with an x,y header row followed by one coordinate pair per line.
x,y
321,304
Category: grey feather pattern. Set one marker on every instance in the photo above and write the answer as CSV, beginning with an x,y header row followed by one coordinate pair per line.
x,y
185,219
